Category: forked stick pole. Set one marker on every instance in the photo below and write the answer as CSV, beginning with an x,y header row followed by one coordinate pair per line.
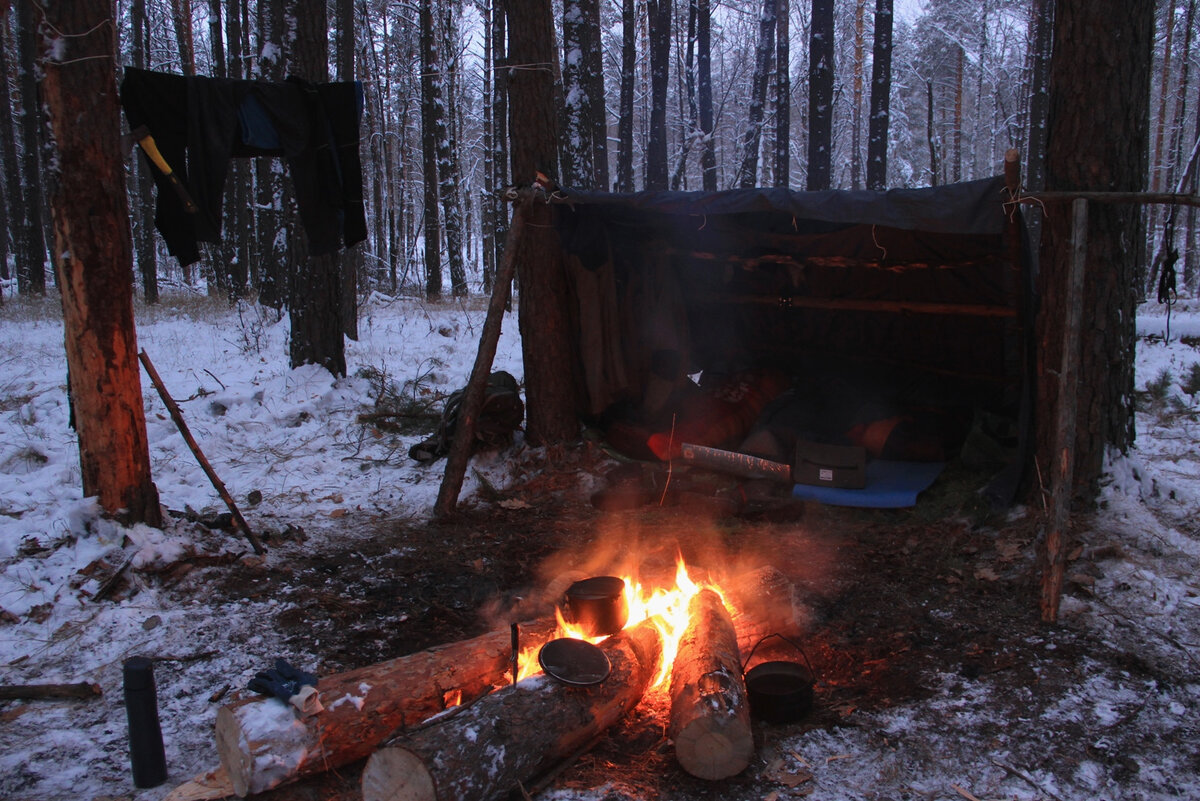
x,y
464,428
177,416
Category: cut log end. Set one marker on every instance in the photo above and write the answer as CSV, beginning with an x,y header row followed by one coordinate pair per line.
x,y
712,751
396,774
234,758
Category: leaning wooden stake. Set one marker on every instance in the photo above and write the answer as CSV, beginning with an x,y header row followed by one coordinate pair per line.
x,y
262,743
177,416
1055,556
513,735
710,714
468,413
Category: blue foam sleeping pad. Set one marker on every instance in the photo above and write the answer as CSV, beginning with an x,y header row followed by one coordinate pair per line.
x,y
890,485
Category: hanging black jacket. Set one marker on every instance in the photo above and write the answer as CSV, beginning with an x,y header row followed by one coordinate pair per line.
x,y
200,123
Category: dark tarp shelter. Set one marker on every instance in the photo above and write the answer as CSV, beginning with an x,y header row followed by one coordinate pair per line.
x,y
868,301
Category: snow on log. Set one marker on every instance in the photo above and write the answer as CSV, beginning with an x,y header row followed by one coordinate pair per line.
x,y
263,743
710,715
486,749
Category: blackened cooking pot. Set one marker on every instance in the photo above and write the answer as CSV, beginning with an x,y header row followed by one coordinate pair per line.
x,y
596,605
779,691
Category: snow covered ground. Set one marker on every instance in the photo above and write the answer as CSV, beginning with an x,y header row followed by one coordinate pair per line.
x,y
289,446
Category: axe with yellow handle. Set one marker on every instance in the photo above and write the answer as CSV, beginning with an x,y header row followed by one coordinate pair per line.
x,y
142,136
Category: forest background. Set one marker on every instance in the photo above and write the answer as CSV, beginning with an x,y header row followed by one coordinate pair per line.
x,y
653,94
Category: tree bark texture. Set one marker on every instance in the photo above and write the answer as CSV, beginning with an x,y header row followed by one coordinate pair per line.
x,y
94,260
881,92
430,113
625,101
31,254
708,155
710,713
577,164
262,743
659,12
549,379
511,736
316,282
820,96
783,95
1113,39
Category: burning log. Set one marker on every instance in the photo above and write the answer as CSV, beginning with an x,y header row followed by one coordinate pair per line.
x,y
516,733
710,715
262,743
762,604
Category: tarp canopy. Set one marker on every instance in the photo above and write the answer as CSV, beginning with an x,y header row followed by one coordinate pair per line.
x,y
866,301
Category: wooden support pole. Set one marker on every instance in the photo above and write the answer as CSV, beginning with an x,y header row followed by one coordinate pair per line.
x,y
1055,554
177,416
515,734
710,713
468,413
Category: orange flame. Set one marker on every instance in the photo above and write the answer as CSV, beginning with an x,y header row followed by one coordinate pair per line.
x,y
668,606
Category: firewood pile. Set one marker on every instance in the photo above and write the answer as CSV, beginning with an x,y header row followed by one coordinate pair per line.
x,y
451,723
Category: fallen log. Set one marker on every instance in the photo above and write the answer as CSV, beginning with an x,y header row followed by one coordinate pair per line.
x,y
710,714
490,747
262,743
29,692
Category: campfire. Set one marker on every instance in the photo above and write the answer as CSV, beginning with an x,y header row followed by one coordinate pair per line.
x,y
451,722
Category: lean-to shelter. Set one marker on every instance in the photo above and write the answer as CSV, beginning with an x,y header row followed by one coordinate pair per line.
x,y
897,321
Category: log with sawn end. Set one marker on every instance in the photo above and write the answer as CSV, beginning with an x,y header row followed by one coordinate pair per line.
x,y
512,736
710,715
262,743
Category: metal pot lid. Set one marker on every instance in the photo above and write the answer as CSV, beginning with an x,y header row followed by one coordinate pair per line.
x,y
599,588
574,662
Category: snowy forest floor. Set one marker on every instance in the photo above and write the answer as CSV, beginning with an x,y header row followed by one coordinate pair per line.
x,y
935,678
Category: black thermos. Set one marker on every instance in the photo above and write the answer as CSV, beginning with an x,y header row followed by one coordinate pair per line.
x,y
145,737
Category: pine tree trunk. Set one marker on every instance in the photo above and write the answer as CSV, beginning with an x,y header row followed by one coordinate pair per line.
x,y
31,254
577,165
1114,39
708,155
488,202
1042,22
820,96
143,219
352,260
857,103
625,113
447,167
13,200
956,153
783,96
95,263
499,116
273,226
1157,160
315,293
930,136
430,112
881,91
752,139
549,377
659,12
593,59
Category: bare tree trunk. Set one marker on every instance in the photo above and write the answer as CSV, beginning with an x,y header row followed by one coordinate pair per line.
x,y
593,57
430,113
783,96
488,202
577,164
447,170
316,283
708,156
1114,39
14,202
857,102
95,262
660,17
625,113
1042,22
934,165
31,255
549,377
499,112
820,96
752,139
352,261
147,253
956,155
274,227
881,91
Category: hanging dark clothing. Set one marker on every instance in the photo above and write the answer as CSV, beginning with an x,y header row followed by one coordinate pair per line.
x,y
200,123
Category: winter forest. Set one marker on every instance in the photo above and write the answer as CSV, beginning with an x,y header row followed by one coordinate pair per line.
x,y
651,94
